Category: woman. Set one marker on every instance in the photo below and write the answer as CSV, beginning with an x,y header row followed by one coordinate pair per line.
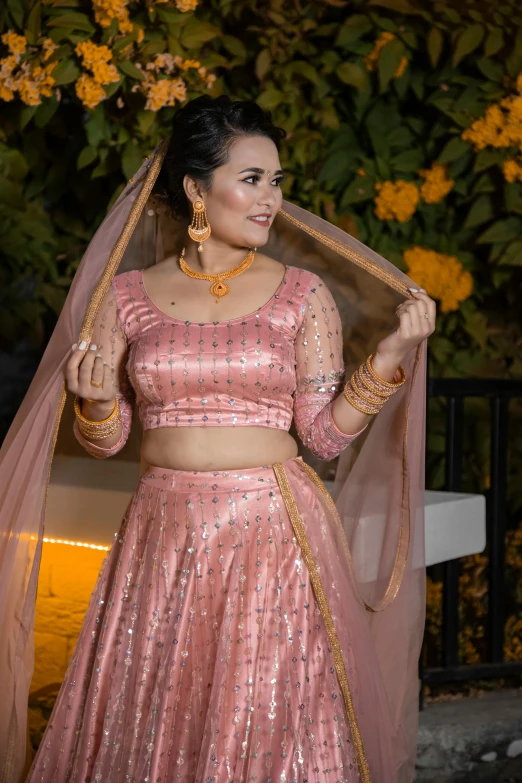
x,y
227,638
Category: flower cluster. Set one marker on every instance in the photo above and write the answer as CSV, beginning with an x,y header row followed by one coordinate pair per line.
x,y
89,89
159,89
442,276
107,10
512,169
30,77
500,127
372,60
436,184
396,200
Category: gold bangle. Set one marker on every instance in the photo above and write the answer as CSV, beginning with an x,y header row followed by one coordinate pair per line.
x,y
98,430
79,414
369,382
377,377
362,390
360,404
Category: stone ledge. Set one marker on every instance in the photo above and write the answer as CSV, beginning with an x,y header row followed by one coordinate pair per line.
x,y
454,736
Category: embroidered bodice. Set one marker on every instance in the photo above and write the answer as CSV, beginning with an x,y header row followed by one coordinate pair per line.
x,y
284,360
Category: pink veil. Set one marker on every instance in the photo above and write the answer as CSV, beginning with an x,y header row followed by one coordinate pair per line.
x,y
377,562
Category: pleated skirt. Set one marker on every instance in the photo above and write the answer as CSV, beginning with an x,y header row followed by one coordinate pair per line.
x,y
204,656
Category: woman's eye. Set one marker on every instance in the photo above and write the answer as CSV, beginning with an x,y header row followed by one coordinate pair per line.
x,y
253,176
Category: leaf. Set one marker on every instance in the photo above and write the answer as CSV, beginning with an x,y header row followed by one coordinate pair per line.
x,y
32,28
353,74
453,150
131,159
353,28
26,115
87,156
410,160
11,193
235,46
263,63
73,21
306,70
145,120
46,111
494,41
467,42
389,60
491,69
481,212
501,231
487,158
435,44
17,12
270,98
196,33
361,189
129,69
402,6
512,255
66,72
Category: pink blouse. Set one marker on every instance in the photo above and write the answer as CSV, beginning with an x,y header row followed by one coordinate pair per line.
x,y
284,360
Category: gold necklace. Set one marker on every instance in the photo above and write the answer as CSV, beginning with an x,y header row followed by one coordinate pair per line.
x,y
218,288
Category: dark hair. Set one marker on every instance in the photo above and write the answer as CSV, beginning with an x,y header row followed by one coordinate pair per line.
x,y
202,134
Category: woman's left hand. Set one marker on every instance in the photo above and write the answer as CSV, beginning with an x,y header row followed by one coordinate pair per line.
x,y
413,326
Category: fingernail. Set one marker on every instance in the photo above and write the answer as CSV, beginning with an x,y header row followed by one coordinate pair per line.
x,y
75,346
415,290
82,345
423,290
92,347
98,356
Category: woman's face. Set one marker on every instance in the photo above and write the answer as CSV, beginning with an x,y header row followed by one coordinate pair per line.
x,y
245,188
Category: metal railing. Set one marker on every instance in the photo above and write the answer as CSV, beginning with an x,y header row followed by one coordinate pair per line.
x,y
498,392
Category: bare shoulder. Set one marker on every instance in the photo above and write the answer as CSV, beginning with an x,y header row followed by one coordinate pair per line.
x,y
164,268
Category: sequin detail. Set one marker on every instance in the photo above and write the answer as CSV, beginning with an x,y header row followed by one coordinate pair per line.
x,y
280,362
204,655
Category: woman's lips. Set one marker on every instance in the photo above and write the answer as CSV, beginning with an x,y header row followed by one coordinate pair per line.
x,y
265,222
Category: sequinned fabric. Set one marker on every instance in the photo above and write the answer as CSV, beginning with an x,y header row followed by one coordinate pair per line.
x,y
284,360
203,657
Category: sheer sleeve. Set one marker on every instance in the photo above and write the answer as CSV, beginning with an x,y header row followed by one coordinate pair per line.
x,y
110,340
320,373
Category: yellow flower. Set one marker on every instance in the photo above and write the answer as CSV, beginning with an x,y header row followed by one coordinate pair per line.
x,y
89,91
48,48
164,92
512,170
141,35
107,10
96,58
360,173
401,68
396,200
372,60
6,94
436,184
186,5
186,64
17,44
443,277
501,125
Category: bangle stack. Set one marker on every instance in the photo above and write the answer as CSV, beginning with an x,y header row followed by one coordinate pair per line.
x,y
367,391
97,430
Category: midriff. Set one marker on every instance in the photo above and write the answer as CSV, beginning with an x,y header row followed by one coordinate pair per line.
x,y
216,448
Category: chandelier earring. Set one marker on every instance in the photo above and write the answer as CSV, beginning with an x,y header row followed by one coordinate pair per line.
x,y
199,229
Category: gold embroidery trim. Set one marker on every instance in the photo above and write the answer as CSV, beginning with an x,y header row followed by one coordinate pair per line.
x,y
333,639
350,254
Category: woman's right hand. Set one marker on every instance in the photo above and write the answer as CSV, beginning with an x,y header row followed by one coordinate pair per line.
x,y
85,368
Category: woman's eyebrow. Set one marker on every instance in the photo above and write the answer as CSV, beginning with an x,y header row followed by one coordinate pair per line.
x,y
260,171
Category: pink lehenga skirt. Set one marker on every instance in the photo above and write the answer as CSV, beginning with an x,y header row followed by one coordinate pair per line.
x,y
213,651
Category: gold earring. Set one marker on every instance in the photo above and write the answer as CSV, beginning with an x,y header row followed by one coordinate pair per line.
x,y
199,229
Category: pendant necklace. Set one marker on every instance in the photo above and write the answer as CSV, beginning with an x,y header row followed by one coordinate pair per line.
x,y
218,288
